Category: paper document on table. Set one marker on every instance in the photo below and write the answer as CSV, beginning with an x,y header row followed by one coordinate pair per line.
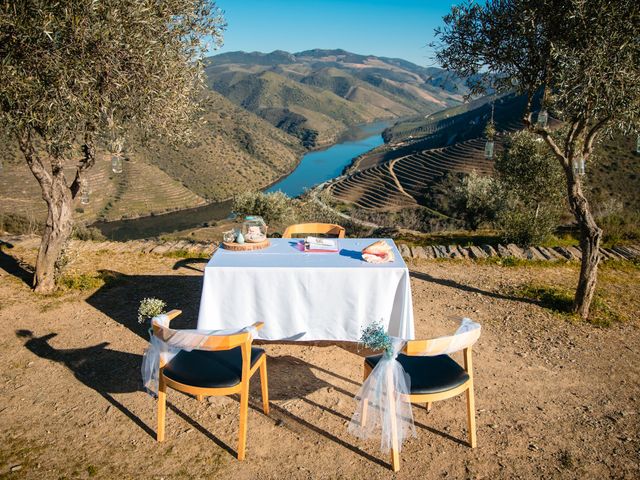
x,y
314,244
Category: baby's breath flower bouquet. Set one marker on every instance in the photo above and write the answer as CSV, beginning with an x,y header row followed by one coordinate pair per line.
x,y
375,338
149,308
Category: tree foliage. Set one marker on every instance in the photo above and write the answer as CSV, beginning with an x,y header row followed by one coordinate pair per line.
x,y
584,55
585,52
475,200
530,180
73,73
71,69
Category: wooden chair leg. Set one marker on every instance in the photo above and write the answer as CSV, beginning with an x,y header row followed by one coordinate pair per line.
x,y
364,412
428,407
264,384
471,417
162,409
244,411
395,454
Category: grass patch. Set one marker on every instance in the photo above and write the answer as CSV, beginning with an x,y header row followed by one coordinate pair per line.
x,y
186,254
566,460
462,238
566,240
83,282
560,301
519,262
92,470
632,265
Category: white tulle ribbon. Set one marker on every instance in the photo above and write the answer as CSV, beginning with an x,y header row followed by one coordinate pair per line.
x,y
383,399
383,403
162,350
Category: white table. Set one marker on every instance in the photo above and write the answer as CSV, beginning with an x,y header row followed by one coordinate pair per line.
x,y
306,296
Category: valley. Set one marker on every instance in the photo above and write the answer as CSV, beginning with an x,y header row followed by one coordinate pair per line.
x,y
282,121
263,112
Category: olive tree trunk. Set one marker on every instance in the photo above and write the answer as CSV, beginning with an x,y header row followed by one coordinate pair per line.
x,y
59,225
590,237
56,233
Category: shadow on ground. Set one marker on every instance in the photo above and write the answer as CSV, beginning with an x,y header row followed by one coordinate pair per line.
x,y
119,298
445,282
14,266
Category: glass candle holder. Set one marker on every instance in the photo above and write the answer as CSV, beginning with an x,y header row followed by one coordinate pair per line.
x,y
254,229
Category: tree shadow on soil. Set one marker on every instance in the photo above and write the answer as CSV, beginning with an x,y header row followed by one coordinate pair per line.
x,y
111,372
119,300
465,288
15,267
187,263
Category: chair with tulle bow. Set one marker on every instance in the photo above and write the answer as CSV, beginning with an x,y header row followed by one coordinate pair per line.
x,y
434,376
221,365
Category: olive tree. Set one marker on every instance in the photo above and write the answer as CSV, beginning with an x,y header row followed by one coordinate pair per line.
x,y
530,182
583,55
476,200
76,74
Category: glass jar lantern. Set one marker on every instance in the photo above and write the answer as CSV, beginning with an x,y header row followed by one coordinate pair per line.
x,y
254,229
488,149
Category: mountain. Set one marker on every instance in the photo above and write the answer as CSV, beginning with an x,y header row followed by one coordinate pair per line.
x,y
315,95
233,151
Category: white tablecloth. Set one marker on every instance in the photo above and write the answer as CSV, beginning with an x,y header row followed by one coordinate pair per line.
x,y
306,296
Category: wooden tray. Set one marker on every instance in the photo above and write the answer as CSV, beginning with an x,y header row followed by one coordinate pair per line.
x,y
237,247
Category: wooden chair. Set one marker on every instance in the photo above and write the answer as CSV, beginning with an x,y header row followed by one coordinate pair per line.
x,y
221,366
435,377
314,229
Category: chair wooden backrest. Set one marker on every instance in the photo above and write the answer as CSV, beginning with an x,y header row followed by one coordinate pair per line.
x,y
440,345
213,342
314,228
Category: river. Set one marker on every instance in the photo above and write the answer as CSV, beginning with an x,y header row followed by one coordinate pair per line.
x,y
314,168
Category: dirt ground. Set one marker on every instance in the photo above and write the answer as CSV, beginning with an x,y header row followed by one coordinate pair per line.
x,y
555,399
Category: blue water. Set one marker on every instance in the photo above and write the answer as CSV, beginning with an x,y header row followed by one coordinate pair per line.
x,y
314,168
318,167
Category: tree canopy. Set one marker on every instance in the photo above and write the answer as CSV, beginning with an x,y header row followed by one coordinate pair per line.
x,y
71,69
74,73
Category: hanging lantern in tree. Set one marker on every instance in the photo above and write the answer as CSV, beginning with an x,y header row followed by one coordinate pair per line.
x,y
543,118
116,163
488,149
490,132
84,192
579,166
116,144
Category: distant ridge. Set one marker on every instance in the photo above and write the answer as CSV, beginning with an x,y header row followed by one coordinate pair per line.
x,y
316,94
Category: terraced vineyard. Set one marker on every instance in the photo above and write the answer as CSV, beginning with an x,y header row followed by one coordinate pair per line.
x,y
420,151
403,182
139,190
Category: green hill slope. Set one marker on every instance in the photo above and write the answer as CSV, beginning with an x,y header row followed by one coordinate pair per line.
x,y
235,150
420,151
317,94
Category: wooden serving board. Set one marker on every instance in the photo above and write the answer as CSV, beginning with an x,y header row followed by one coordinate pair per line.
x,y
237,247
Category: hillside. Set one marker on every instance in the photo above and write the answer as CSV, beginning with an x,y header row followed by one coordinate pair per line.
x,y
234,150
421,151
317,94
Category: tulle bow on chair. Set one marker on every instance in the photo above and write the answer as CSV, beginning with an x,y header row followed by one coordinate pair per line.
x,y
384,400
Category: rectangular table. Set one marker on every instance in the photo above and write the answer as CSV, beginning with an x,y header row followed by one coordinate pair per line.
x,y
306,296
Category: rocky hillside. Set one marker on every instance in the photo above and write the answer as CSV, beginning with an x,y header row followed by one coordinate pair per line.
x,y
233,150
316,94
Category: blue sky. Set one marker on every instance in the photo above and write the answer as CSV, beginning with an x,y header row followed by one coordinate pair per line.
x,y
401,28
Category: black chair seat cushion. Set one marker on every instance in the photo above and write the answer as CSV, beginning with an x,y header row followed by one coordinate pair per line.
x,y
207,369
429,374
